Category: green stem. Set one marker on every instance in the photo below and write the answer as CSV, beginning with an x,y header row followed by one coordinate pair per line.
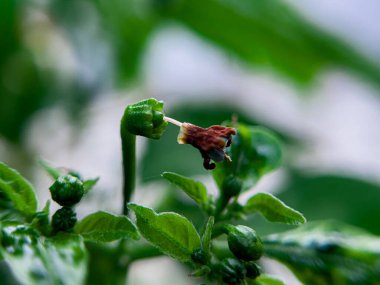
x,y
128,145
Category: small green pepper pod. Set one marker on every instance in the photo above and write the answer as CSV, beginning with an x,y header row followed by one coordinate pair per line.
x,y
67,190
145,118
244,243
232,271
64,219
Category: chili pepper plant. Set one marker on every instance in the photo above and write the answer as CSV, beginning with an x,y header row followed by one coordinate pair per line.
x,y
38,247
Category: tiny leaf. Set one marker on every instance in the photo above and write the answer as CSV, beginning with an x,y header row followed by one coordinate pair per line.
x,y
106,227
18,190
206,238
265,279
273,209
172,233
54,172
194,189
88,184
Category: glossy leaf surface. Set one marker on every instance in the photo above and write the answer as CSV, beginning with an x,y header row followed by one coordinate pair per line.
x,y
194,189
18,190
273,209
106,227
173,234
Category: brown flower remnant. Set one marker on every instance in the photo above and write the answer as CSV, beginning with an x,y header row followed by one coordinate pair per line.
x,y
211,141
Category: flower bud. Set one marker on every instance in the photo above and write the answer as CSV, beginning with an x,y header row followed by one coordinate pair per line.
x,y
64,219
232,271
231,186
199,256
145,118
67,190
244,243
253,270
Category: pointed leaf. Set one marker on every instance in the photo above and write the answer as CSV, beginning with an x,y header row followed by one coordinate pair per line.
x,y
88,184
194,189
172,233
206,238
265,279
106,227
18,190
54,172
273,209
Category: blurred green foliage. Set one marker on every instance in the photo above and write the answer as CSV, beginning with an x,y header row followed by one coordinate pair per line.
x,y
108,40
328,252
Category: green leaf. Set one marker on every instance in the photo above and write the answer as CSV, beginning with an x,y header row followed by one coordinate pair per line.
x,y
172,233
265,279
255,151
328,252
194,189
89,183
54,172
18,190
346,199
106,227
61,260
273,209
41,220
206,238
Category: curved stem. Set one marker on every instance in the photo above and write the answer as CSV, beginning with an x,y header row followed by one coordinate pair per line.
x,y
128,145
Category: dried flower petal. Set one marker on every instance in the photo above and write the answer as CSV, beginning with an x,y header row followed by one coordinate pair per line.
x,y
211,141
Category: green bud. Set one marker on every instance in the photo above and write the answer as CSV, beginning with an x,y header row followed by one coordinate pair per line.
x,y
232,271
253,270
199,256
67,190
145,118
244,243
231,186
64,219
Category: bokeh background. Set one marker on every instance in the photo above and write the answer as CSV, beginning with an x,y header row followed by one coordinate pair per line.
x,y
309,70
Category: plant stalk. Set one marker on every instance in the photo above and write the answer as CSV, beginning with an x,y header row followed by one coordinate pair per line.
x,y
128,146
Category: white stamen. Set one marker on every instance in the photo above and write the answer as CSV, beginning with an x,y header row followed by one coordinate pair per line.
x,y
173,121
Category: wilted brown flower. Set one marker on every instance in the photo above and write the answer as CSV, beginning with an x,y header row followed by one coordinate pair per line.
x,y
211,141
